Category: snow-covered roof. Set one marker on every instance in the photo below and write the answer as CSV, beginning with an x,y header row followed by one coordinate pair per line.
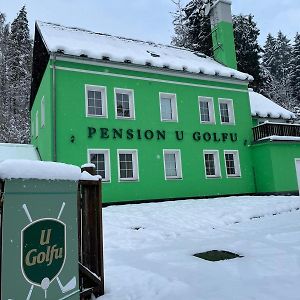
x,y
18,151
80,42
266,108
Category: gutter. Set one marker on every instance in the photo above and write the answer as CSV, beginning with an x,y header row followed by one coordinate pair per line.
x,y
54,106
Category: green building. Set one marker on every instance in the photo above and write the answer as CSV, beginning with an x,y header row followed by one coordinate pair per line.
x,y
159,122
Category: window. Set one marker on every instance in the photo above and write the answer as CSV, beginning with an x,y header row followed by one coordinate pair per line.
x,y
32,128
212,163
226,111
43,112
168,107
37,123
172,164
206,108
96,102
128,165
124,103
232,163
101,159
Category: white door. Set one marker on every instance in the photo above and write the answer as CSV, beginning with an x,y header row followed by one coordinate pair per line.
x,y
297,161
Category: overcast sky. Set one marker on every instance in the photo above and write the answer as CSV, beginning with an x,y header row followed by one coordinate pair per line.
x,y
148,20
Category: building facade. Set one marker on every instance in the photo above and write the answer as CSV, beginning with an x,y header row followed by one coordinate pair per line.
x,y
158,122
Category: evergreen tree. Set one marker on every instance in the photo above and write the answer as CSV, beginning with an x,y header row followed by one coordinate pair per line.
x,y
4,32
192,28
19,77
295,69
277,60
247,48
193,31
180,29
268,57
283,53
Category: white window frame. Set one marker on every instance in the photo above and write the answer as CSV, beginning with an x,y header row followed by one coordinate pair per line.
x,y
229,102
237,164
177,153
37,124
32,128
135,164
43,112
106,153
211,109
216,162
173,98
102,90
130,93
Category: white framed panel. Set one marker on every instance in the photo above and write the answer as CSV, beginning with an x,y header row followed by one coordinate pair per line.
x,y
211,110
168,113
135,165
230,111
232,166
107,169
93,109
173,167
212,166
122,113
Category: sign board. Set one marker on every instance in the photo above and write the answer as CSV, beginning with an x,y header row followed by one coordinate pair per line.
x,y
40,245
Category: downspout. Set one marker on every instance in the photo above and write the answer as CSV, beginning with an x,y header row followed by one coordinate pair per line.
x,y
54,106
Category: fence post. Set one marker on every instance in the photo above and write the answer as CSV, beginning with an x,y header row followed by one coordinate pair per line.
x,y
90,236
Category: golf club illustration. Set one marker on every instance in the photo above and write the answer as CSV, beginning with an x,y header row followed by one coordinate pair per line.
x,y
46,281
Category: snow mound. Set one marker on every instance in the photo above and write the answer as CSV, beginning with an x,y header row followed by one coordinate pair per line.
x,y
29,169
264,107
80,42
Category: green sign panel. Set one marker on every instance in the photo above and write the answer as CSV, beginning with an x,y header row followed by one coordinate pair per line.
x,y
40,241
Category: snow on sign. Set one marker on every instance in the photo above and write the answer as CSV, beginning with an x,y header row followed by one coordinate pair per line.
x,y
40,245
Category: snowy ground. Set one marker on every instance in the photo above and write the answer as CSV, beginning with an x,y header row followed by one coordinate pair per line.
x,y
149,247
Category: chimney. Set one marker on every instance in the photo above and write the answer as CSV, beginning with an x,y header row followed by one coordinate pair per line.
x,y
222,33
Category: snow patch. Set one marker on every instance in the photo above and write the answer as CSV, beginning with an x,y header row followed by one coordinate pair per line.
x,y
157,263
87,176
29,169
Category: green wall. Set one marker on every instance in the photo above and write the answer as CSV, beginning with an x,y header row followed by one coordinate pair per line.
x,y
71,78
274,166
223,43
44,141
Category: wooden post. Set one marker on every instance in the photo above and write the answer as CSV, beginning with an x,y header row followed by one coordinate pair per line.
x,y
90,237
1,215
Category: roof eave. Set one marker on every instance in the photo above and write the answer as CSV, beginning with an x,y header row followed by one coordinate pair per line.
x,y
149,68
